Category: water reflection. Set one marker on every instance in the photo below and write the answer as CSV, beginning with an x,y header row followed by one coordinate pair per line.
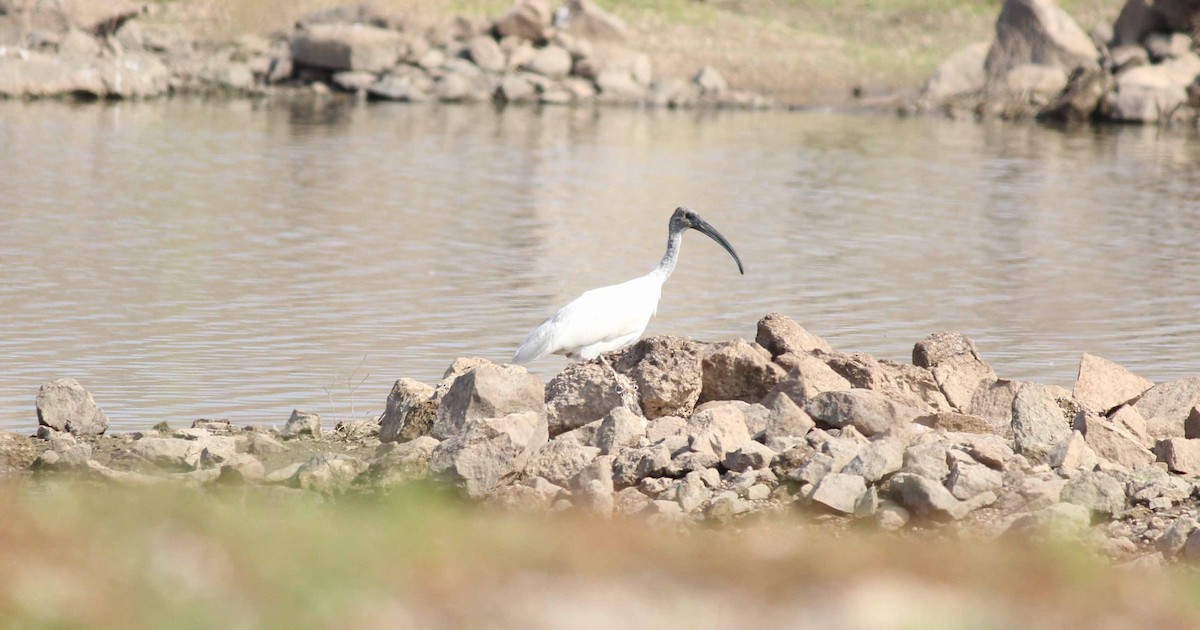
x,y
188,259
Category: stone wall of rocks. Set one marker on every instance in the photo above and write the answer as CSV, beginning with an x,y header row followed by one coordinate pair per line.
x,y
1144,68
116,49
681,430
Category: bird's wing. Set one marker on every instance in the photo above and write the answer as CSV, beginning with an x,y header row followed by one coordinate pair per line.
x,y
598,315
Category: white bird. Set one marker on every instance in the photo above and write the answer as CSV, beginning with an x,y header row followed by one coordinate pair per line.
x,y
611,318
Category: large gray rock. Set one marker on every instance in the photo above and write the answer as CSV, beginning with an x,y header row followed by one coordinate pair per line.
x,y
968,480
396,463
667,373
877,460
786,421
621,428
1037,422
589,20
717,431
528,19
585,392
559,461
64,405
1152,93
632,465
1073,454
737,370
486,53
1182,455
553,62
961,74
410,413
1139,18
906,384
164,452
927,498
339,47
1103,385
1166,406
1172,541
928,459
1113,442
994,403
749,456
839,492
868,411
488,391
1038,32
489,450
328,473
1097,491
302,423
956,366
780,334
807,377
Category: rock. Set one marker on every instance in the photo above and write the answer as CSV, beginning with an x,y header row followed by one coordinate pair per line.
x,y
839,492
1149,94
616,86
1166,406
489,450
749,456
589,20
926,498
1033,83
1097,491
284,474
1172,541
584,435
1131,420
961,74
927,459
891,516
1073,453
877,460
717,431
340,47
1083,95
711,83
552,62
559,462
994,403
807,377
970,480
163,452
585,392
955,365
1058,519
486,53
302,423
64,405
780,334
63,456
262,444
216,451
666,426
528,19
908,385
410,413
1191,425
1181,455
327,473
813,470
989,450
1037,422
411,86
241,468
634,464
488,391
690,492
397,463
725,506
737,370
1103,385
956,422
593,486
1155,482
351,13
1037,32
1139,18
868,411
667,374
785,422
621,428
1128,57
1113,442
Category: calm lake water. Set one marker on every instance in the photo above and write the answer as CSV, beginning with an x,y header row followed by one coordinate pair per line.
x,y
227,260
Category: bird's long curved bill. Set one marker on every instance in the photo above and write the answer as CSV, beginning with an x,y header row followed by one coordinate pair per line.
x,y
703,226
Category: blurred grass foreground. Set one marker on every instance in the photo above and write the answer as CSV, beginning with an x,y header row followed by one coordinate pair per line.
x,y
78,555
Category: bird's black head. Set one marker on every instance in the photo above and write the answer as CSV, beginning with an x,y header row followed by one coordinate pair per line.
x,y
684,218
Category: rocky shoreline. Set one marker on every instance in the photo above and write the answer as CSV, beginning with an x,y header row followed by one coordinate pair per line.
x,y
687,431
115,49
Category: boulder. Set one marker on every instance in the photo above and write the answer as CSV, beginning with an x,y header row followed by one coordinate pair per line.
x,y
1152,93
690,492
1078,102
405,84
101,17
1154,482
351,13
489,450
928,459
1166,406
528,19
667,373
1032,83
586,391
868,411
632,465
1128,418
1097,491
807,377
64,405
785,420
839,492
1037,422
1059,519
410,413
717,431
559,461
621,428
396,463
994,403
552,62
164,452
1112,442
302,423
616,86
955,364
926,498
1038,32
1172,541
263,444
908,385
1073,454
340,47
711,83
486,53
328,473
961,74
990,450
589,20
956,422
488,391
877,460
749,456
737,370
969,480
1182,455
780,334
1139,18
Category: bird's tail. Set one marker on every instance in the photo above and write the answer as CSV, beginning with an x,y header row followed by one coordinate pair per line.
x,y
536,345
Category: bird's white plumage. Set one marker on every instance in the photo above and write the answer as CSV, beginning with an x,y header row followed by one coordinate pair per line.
x,y
599,321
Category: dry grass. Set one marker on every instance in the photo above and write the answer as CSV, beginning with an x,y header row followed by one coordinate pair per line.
x,y
85,555
801,52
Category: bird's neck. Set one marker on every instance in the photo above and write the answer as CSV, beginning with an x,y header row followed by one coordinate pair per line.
x,y
674,242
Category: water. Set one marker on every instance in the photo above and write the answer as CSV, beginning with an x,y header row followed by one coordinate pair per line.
x,y
226,260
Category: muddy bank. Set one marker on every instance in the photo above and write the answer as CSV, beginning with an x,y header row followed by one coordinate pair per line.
x,y
576,54
683,431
